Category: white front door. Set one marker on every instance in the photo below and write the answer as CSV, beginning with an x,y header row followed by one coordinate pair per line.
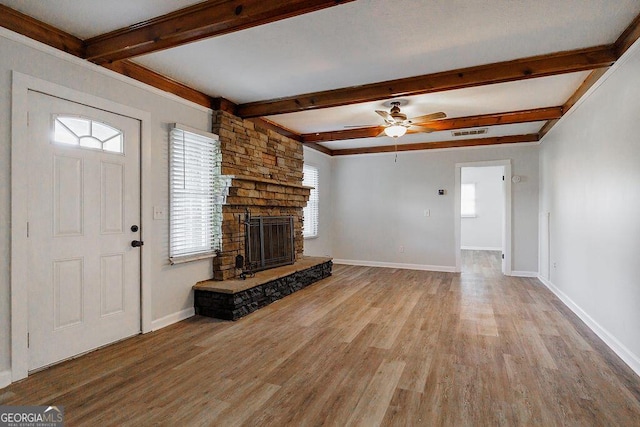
x,y
83,214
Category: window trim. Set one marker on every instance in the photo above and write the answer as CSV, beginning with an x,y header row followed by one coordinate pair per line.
x,y
217,191
314,199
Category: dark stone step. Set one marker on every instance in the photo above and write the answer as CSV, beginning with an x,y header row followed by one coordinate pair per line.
x,y
232,306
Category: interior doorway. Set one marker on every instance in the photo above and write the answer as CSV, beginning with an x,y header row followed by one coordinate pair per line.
x,y
483,211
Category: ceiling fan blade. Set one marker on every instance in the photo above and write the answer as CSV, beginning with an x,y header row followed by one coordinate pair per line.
x,y
423,129
428,117
359,126
381,133
386,116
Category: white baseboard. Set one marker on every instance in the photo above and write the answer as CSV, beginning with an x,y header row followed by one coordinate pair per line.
x,y
480,248
618,348
423,267
172,318
5,378
524,273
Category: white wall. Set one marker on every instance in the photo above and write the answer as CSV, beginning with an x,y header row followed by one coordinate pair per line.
x,y
321,245
171,285
484,231
590,185
378,206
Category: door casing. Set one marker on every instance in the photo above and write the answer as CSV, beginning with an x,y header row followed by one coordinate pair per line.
x,y
21,85
507,211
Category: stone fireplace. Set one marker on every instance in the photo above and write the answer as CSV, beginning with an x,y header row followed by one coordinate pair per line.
x,y
265,169
266,181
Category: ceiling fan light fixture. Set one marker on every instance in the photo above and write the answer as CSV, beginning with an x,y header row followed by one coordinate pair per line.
x,y
395,131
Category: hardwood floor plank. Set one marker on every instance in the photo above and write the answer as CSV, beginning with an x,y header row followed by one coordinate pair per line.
x,y
375,400
366,346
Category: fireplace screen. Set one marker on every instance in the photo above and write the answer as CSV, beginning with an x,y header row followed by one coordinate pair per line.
x,y
269,242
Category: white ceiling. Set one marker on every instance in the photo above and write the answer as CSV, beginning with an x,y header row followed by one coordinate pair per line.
x,y
89,18
376,40
368,41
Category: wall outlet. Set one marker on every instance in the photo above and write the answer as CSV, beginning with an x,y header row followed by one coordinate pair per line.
x,y
401,249
554,265
159,212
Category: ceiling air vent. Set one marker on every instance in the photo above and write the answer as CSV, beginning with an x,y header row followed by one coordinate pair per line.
x,y
469,132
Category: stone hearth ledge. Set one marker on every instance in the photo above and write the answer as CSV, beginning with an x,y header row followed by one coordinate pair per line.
x,y
233,299
262,277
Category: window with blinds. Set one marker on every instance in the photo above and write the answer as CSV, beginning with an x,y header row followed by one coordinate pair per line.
x,y
196,196
310,212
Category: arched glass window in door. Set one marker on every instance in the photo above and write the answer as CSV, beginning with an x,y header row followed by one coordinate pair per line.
x,y
86,133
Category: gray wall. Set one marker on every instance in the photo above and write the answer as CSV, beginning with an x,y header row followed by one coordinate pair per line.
x,y
171,285
321,245
590,186
378,206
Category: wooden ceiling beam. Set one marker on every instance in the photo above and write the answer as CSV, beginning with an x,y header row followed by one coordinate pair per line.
x,y
520,69
145,75
628,37
339,135
203,20
320,148
38,30
591,79
512,139
224,104
511,117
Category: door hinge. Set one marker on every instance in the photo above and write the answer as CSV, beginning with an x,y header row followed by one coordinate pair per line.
x,y
27,118
27,228
503,177
502,256
28,340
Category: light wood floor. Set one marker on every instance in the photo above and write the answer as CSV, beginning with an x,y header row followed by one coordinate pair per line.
x,y
368,346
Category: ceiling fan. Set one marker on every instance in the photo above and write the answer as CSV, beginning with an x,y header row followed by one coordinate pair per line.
x,y
397,124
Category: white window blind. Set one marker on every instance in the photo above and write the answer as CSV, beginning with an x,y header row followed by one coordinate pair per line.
x,y
468,200
195,195
310,178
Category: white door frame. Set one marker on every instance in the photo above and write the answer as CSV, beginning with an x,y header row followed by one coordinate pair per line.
x,y
507,210
21,85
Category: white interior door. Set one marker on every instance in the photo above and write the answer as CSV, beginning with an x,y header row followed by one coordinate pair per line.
x,y
83,214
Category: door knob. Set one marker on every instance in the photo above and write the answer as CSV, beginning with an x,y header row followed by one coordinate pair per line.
x,y
137,243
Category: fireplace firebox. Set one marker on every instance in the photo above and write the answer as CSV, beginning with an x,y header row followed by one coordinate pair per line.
x,y
269,242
